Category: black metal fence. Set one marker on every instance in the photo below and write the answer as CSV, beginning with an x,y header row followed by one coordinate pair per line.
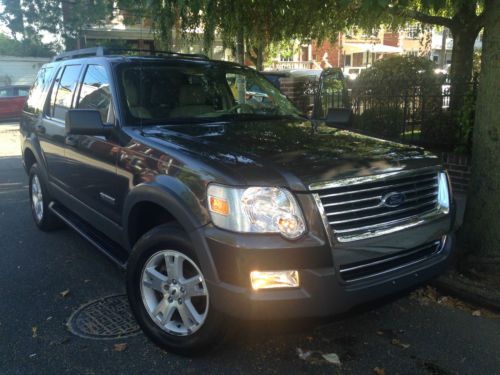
x,y
411,113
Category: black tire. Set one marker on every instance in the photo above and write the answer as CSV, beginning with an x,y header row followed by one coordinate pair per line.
x,y
48,221
212,331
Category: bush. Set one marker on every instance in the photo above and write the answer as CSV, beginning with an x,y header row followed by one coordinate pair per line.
x,y
385,124
396,94
396,75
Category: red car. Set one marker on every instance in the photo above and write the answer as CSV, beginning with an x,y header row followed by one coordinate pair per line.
x,y
12,99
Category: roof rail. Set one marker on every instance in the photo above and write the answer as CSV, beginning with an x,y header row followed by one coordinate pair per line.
x,y
84,52
159,53
102,51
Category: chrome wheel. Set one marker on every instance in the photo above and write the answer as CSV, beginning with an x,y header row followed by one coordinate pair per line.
x,y
37,198
174,292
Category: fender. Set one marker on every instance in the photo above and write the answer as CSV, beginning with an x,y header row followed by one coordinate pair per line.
x,y
169,193
34,147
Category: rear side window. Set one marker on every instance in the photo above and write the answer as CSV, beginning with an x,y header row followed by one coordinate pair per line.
x,y
22,91
95,92
63,90
5,92
36,97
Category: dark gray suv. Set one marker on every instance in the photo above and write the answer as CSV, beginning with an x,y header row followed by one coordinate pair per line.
x,y
220,199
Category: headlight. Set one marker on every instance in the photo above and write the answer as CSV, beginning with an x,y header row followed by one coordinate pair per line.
x,y
256,210
443,192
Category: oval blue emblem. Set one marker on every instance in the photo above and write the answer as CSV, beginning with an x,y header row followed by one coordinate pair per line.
x,y
393,199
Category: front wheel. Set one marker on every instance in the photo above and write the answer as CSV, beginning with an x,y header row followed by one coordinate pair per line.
x,y
168,293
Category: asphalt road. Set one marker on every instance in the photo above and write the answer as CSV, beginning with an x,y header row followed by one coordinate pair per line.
x,y
401,336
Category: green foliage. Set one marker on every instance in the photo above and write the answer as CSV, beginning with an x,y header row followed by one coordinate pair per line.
x,y
384,124
27,18
395,75
26,47
394,91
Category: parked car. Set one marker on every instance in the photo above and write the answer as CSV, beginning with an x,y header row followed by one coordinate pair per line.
x,y
12,100
221,206
352,72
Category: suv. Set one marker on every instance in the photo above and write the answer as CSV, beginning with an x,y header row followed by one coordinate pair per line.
x,y
220,199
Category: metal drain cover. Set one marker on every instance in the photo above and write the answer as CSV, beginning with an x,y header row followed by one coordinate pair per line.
x,y
106,318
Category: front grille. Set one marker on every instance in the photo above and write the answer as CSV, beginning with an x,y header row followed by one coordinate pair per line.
x,y
373,267
356,208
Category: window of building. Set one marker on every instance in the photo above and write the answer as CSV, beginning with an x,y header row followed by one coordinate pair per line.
x,y
95,92
412,31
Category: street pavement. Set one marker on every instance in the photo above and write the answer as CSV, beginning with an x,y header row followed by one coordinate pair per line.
x,y
400,336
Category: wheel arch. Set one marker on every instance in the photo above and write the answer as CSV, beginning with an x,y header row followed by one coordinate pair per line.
x,y
167,203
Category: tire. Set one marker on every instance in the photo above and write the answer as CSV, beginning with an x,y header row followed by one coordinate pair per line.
x,y
151,284
40,198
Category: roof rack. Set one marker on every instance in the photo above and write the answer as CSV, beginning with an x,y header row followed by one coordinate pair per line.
x,y
103,51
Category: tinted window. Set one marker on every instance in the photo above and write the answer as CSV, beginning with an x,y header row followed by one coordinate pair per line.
x,y
6,92
163,92
36,96
95,92
63,96
22,91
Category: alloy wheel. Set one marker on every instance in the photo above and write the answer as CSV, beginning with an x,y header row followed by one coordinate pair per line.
x,y
174,292
37,198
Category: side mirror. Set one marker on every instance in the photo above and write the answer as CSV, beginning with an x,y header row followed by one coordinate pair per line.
x,y
339,117
85,122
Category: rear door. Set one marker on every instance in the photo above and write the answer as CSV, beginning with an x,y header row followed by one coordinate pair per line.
x,y
51,131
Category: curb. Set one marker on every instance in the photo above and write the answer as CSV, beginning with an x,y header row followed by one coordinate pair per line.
x,y
466,293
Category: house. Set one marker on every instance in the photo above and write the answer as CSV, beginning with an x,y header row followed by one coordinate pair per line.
x,y
16,70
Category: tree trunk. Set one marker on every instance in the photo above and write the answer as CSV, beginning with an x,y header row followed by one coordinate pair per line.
x,y
443,47
259,52
461,64
240,47
481,230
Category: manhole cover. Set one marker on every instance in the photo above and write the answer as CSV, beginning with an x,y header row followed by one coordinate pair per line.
x,y
105,318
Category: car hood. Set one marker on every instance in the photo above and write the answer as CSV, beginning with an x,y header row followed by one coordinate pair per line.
x,y
293,153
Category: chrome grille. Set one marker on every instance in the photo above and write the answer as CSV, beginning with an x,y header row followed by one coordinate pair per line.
x,y
357,208
374,267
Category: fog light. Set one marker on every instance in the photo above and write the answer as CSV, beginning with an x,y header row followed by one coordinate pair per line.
x,y
274,279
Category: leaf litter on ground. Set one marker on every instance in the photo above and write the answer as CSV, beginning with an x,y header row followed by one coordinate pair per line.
x,y
427,295
316,357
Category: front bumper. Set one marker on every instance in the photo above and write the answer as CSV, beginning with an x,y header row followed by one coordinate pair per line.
x,y
321,294
322,291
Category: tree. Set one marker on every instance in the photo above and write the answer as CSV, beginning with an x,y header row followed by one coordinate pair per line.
x,y
464,18
26,19
26,47
254,24
481,229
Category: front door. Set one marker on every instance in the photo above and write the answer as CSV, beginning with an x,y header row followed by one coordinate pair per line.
x,y
91,160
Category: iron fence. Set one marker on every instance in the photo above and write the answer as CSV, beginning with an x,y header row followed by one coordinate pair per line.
x,y
414,113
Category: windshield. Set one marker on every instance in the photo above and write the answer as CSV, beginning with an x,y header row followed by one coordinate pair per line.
x,y
164,93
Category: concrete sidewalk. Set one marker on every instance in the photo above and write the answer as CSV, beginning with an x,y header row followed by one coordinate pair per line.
x,y
9,139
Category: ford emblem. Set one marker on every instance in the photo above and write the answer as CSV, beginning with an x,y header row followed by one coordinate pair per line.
x,y
393,199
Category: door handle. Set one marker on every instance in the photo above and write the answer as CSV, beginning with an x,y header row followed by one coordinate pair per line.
x,y
71,140
40,129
